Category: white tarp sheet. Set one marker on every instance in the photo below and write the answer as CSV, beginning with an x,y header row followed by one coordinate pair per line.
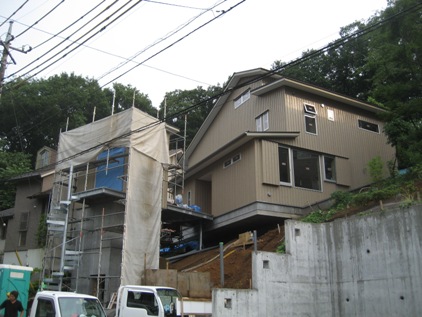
x,y
148,150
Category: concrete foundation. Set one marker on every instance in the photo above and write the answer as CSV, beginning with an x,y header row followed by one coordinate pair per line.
x,y
360,266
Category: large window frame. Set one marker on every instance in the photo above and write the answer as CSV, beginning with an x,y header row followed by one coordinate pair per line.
x,y
300,168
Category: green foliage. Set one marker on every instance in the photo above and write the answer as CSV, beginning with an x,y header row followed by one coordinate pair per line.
x,y
376,169
196,104
11,164
281,248
42,231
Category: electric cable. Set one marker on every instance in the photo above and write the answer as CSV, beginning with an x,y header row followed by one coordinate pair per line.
x,y
175,42
335,44
43,17
16,11
162,39
74,42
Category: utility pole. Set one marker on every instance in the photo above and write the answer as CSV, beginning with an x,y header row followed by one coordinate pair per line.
x,y
6,53
6,47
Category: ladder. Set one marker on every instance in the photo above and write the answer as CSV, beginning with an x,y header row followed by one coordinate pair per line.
x,y
112,301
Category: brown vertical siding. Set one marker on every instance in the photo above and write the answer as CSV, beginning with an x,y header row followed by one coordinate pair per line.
x,y
270,163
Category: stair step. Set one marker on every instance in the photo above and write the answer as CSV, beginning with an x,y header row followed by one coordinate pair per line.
x,y
57,274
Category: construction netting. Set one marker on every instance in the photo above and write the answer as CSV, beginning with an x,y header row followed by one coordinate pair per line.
x,y
147,143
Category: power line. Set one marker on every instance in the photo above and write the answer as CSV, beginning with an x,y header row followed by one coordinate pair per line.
x,y
333,45
175,42
73,42
43,17
17,10
162,39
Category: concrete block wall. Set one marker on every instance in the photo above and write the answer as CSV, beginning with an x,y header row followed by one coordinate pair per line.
x,y
360,266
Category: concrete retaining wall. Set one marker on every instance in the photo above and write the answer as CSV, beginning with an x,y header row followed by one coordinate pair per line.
x,y
361,266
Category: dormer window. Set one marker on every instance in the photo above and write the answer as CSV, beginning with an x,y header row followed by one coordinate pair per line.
x,y
242,99
44,158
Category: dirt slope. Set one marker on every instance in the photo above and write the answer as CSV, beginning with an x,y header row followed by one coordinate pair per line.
x,y
237,261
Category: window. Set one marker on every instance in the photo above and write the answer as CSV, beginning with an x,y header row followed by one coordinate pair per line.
x,y
368,126
242,99
23,227
329,168
310,109
284,159
306,170
262,123
310,124
144,300
45,308
44,158
232,160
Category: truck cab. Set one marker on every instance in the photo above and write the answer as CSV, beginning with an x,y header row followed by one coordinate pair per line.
x,y
145,301
65,304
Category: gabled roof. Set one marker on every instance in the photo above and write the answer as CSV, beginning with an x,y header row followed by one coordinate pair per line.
x,y
259,74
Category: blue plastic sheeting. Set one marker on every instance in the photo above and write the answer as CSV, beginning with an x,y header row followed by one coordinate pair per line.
x,y
110,175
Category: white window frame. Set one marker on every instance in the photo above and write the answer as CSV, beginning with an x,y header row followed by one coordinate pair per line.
x,y
262,122
306,126
311,109
245,96
289,157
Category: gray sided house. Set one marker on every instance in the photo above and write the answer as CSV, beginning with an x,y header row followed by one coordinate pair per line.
x,y
24,227
274,148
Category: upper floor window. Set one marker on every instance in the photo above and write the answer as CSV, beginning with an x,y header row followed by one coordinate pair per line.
x,y
310,109
44,156
368,126
310,118
262,123
310,124
242,98
23,228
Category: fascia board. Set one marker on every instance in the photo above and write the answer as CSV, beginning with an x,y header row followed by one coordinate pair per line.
x,y
317,91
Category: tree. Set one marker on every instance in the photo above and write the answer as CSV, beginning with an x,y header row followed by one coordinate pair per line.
x,y
33,114
11,164
195,103
396,58
127,96
340,68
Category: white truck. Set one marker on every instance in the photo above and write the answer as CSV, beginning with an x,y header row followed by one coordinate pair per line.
x,y
145,301
65,304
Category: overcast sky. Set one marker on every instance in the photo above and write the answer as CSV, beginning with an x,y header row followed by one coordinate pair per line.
x,y
170,44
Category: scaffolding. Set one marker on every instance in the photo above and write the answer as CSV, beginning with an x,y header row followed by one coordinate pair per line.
x,y
99,234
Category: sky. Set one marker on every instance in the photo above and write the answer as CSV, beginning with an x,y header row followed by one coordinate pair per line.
x,y
160,46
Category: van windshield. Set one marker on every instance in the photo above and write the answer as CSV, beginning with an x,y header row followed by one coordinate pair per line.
x,y
168,298
80,307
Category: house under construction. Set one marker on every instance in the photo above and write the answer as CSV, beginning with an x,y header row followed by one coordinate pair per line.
x,y
110,189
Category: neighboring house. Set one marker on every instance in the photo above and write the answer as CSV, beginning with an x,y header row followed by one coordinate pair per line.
x,y
274,148
22,245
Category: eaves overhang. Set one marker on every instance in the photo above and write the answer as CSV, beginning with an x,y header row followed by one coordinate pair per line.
x,y
317,91
236,143
233,83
